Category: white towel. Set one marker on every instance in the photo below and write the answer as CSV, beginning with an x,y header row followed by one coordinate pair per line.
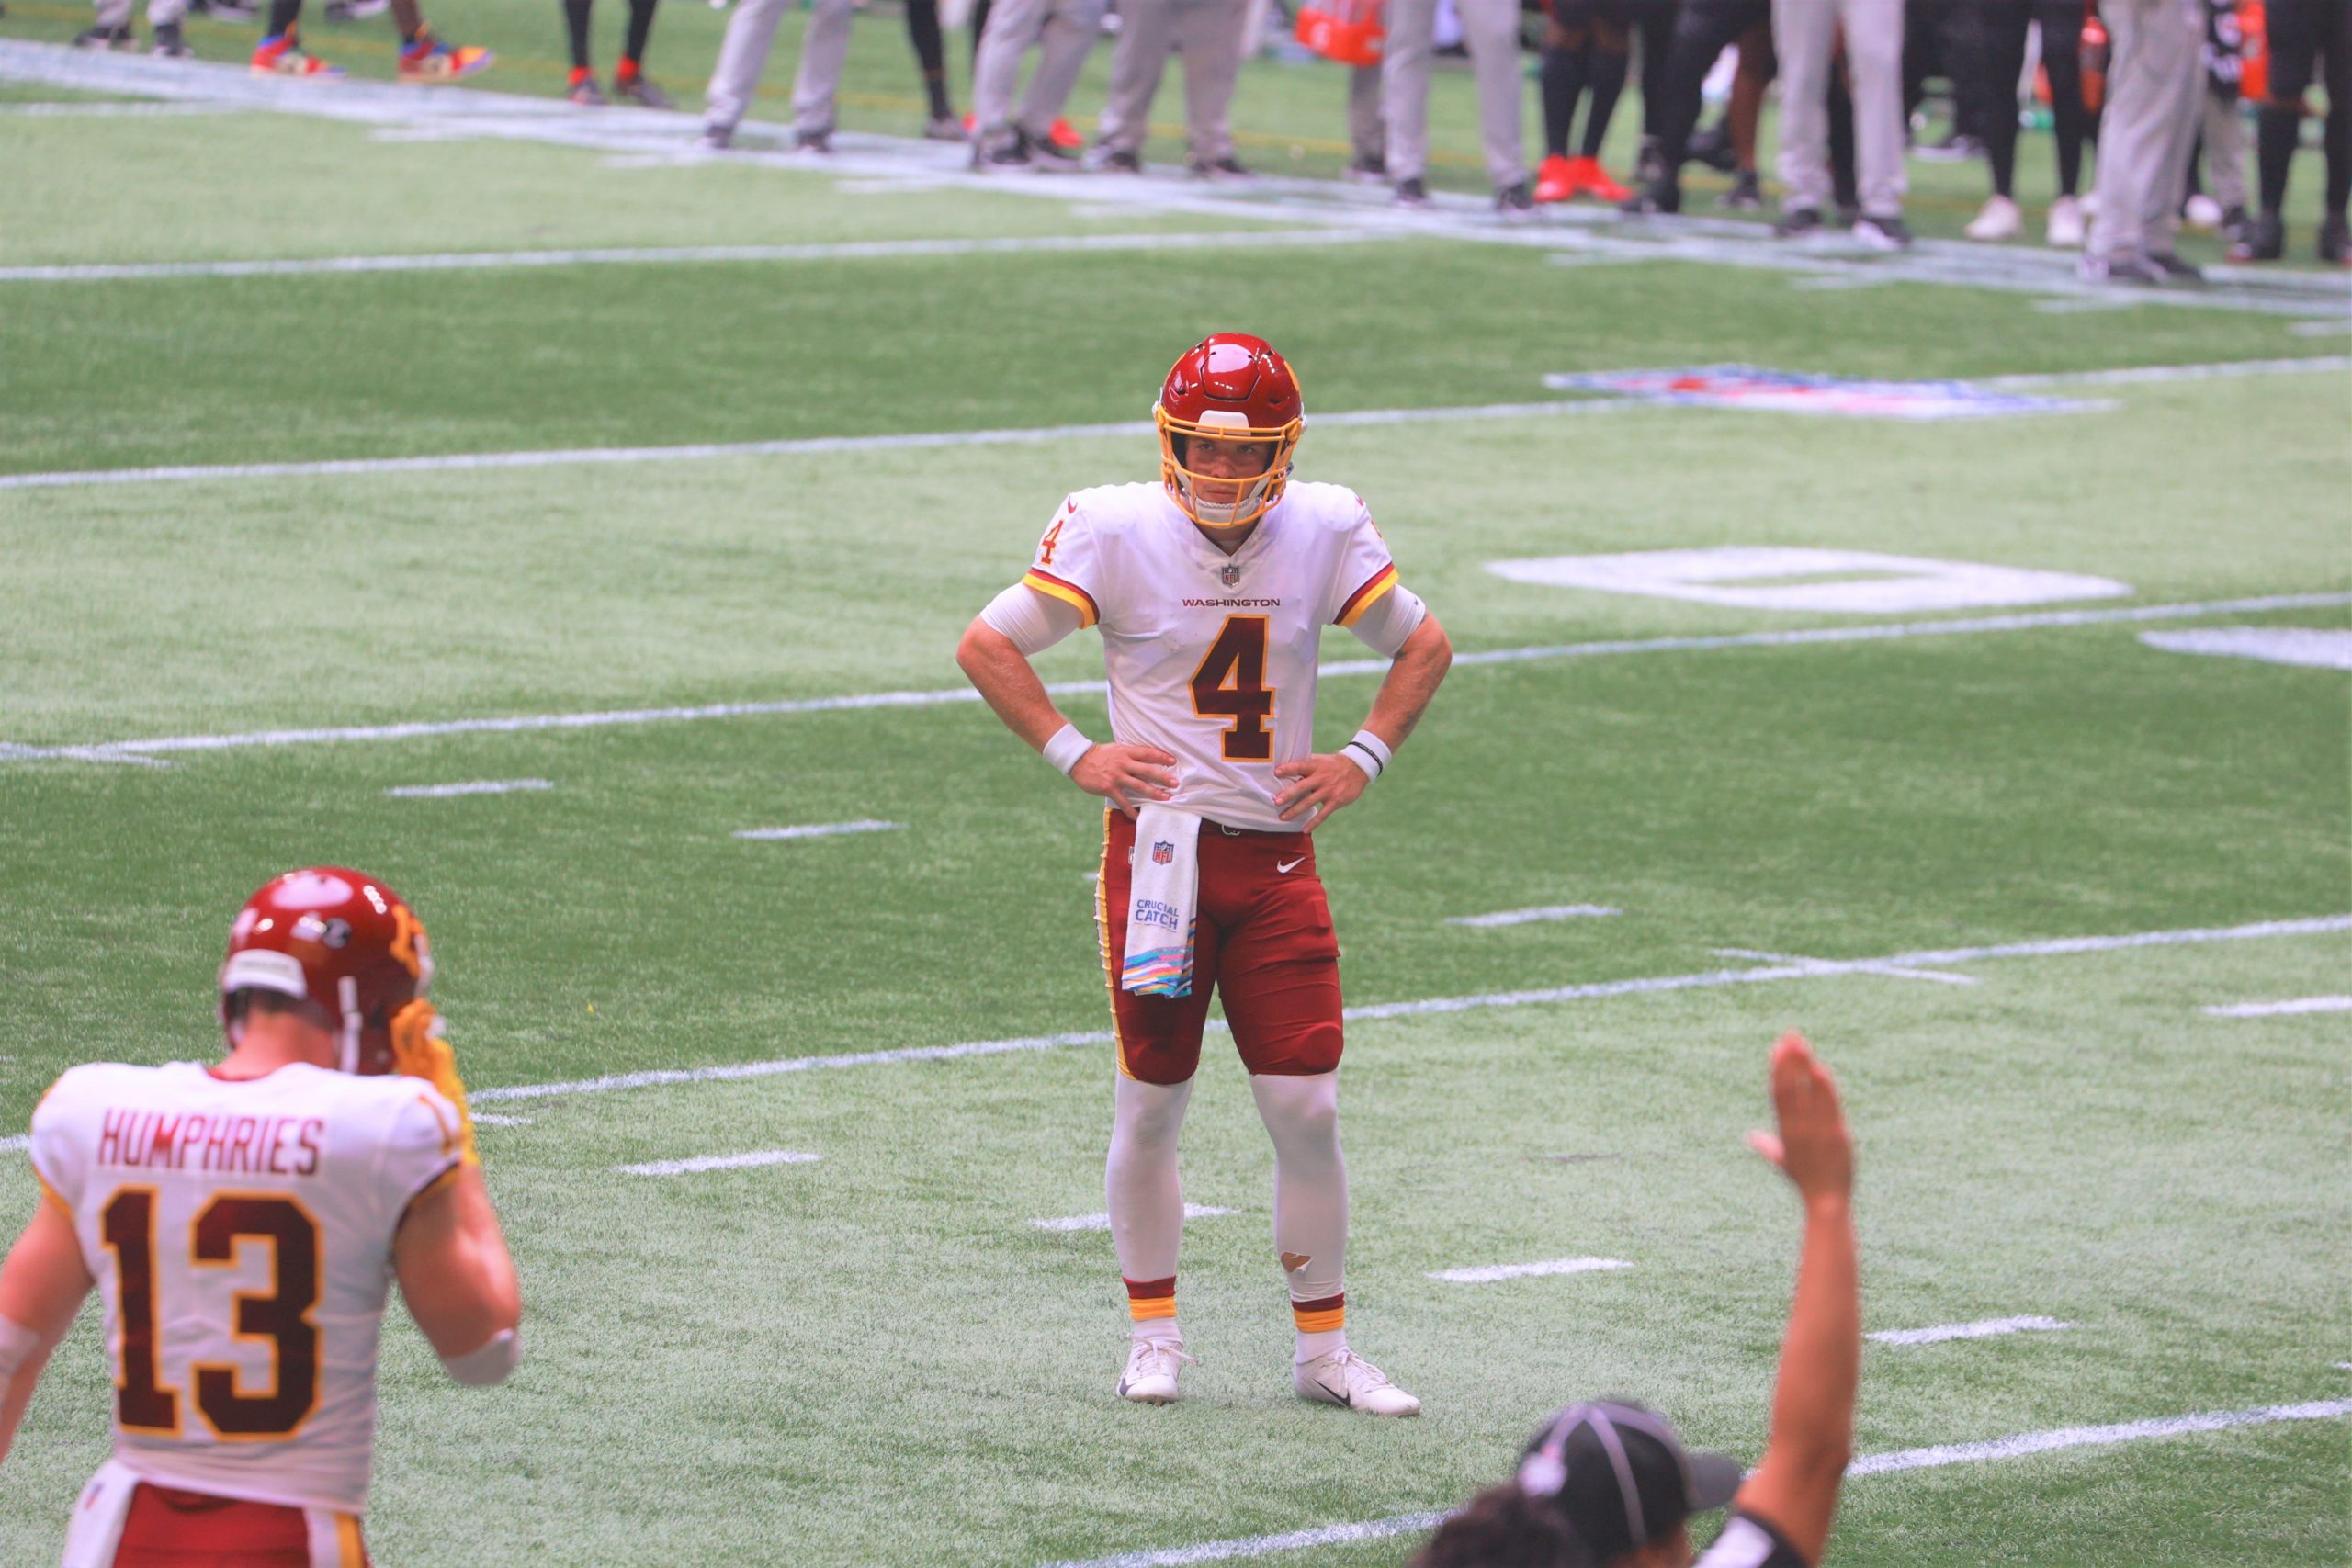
x,y
1162,898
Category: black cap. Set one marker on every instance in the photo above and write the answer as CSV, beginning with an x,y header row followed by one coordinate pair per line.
x,y
1622,1476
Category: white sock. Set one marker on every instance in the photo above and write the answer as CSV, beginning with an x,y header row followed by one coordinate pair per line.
x,y
1139,1181
1302,1116
1158,1328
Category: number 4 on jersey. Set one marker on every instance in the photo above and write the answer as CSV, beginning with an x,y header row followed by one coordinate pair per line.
x,y
1231,683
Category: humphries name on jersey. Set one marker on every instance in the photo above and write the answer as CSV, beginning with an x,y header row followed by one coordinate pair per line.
x,y
1210,656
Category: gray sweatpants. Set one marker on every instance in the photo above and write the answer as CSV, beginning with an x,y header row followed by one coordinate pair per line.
x,y
2155,76
1805,37
1491,29
743,55
1064,30
1207,33
2224,151
160,13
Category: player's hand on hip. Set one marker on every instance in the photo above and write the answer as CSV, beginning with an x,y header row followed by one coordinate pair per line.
x,y
1321,784
1129,777
1813,1146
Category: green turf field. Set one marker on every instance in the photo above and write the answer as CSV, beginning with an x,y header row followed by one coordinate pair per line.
x,y
876,1356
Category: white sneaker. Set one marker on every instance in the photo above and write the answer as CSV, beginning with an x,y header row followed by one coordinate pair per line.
x,y
2065,228
1152,1366
1998,221
1346,1378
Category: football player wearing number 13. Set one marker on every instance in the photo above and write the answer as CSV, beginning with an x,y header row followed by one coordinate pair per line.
x,y
1212,590
241,1221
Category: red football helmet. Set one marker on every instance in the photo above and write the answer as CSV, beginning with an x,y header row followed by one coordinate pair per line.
x,y
1233,388
339,938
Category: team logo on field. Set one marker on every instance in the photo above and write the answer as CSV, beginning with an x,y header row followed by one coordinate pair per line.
x,y
1787,392
1228,574
1163,853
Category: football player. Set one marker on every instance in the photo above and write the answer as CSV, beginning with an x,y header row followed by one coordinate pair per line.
x,y
1608,1485
243,1221
1212,588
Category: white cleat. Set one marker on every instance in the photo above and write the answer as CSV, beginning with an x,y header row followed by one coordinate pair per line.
x,y
2065,229
1346,1378
1152,1366
1998,221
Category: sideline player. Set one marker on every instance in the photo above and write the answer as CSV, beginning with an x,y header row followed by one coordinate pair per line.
x,y
1212,590
243,1222
424,59
1609,1483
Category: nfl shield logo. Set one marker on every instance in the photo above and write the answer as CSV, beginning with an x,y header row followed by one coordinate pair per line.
x,y
1163,853
1228,575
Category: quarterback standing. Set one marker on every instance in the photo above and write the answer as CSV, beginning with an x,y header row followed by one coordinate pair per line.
x,y
243,1221
1212,588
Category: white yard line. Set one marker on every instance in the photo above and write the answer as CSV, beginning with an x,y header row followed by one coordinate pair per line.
x,y
125,750
803,446
2157,374
1102,1222
484,1119
2017,1446
16,1141
717,1162
1600,990
1983,1328
1540,913
822,829
1495,1271
2282,1009
666,255
1891,971
116,110
483,786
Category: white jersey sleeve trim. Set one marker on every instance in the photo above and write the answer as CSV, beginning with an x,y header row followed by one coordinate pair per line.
x,y
1033,620
1394,616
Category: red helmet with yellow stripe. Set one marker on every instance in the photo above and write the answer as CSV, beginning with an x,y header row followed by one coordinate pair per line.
x,y
1233,391
341,939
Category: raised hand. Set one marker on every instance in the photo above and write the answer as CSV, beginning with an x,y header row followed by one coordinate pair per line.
x,y
1813,1146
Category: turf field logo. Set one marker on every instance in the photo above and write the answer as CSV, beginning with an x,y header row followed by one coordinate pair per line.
x,y
1163,852
1789,392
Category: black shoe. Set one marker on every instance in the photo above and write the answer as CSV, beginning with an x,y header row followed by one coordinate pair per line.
x,y
1747,194
2265,240
2235,224
1882,234
1515,203
640,90
1012,152
718,138
1370,171
2175,269
1118,160
169,43
2335,241
1411,194
1226,168
2134,269
819,141
106,37
1047,154
1797,223
1662,195
1713,147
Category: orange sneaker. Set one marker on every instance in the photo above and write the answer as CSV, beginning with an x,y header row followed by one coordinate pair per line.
x,y
283,56
431,63
1062,134
1554,179
1589,178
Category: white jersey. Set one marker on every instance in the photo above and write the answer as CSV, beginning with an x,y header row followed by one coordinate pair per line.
x,y
1212,657
241,1234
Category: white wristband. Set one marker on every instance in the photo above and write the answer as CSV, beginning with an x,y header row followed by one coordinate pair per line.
x,y
1066,746
1368,751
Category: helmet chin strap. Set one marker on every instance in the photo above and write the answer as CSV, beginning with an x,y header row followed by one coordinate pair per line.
x,y
347,993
